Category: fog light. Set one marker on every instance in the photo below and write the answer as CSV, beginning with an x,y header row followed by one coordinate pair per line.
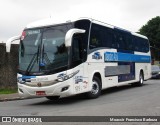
x,y
64,89
21,90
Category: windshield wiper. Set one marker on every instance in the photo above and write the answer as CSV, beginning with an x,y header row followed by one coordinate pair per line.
x,y
44,57
32,62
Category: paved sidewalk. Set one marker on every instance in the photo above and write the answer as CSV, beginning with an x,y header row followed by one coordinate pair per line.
x,y
10,97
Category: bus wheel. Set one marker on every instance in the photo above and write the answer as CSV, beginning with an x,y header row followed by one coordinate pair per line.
x,y
141,80
96,88
52,97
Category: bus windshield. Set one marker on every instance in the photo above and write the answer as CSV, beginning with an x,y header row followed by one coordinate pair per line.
x,y
43,50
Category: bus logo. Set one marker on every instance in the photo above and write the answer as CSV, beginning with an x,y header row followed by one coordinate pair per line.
x,y
6,119
97,56
39,84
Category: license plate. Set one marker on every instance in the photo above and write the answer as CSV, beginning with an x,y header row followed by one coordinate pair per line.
x,y
40,93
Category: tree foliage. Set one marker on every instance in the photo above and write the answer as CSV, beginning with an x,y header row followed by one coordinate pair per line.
x,y
152,31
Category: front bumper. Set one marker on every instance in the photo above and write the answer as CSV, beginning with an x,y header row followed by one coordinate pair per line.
x,y
53,90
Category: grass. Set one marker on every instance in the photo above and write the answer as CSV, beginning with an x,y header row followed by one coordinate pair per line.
x,y
8,91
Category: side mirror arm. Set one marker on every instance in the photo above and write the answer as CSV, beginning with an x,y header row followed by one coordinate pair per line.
x,y
68,42
69,34
9,41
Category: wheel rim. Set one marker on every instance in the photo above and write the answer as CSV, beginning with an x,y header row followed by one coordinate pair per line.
x,y
95,87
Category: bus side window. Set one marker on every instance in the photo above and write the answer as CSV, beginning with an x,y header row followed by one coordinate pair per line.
x,y
129,42
94,43
108,38
96,37
144,45
120,40
77,50
115,45
136,47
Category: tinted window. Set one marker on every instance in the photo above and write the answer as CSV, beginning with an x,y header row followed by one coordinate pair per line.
x,y
140,44
108,38
84,24
96,37
145,45
122,39
116,38
129,43
119,39
77,50
101,37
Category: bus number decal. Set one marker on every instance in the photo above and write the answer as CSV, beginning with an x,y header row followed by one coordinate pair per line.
x,y
111,56
77,88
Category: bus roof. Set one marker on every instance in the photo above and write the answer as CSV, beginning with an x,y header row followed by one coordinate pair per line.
x,y
51,21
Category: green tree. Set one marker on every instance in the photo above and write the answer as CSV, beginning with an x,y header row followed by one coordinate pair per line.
x,y
152,31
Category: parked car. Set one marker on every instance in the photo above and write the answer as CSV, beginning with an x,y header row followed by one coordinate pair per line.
x,y
155,71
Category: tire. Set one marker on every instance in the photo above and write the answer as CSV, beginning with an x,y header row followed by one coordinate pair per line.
x,y
141,80
52,97
96,88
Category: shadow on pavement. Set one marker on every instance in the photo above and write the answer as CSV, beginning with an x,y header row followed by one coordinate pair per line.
x,y
82,97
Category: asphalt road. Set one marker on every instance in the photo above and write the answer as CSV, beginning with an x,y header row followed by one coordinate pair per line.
x,y
117,101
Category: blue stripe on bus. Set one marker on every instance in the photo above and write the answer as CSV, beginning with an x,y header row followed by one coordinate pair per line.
x,y
27,77
125,57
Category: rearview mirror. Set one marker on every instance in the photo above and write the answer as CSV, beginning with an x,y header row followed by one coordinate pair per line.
x,y
69,34
9,41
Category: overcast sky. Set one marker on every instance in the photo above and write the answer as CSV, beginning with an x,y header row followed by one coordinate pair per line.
x,y
128,14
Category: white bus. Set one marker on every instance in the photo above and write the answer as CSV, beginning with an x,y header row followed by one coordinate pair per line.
x,y
80,56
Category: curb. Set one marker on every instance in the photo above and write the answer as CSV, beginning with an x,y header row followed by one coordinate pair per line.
x,y
14,99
